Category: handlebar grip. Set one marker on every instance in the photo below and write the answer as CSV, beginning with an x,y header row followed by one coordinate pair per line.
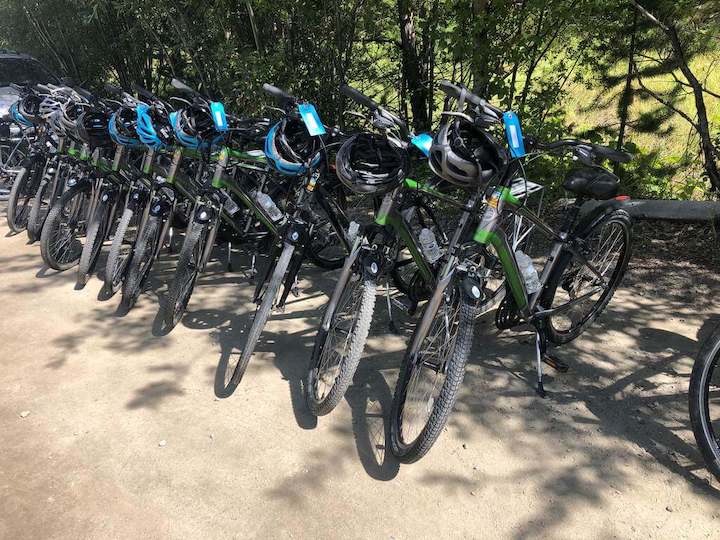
x,y
43,88
114,90
278,94
358,97
143,92
611,154
84,93
449,88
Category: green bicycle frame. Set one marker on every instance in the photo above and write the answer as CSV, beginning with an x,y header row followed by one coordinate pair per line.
x,y
388,215
490,233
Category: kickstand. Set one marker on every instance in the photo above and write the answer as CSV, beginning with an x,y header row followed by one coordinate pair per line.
x,y
229,257
170,241
540,351
252,271
391,325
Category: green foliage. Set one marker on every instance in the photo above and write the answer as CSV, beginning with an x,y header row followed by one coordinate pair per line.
x,y
563,65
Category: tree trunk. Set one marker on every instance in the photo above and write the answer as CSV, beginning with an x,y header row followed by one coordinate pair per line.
x,y
626,97
480,74
412,67
703,126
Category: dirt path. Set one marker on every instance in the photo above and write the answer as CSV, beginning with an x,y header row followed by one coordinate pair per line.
x,y
608,454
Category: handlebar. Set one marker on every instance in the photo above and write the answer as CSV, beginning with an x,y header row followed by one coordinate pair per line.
x,y
279,95
460,91
142,92
597,150
358,97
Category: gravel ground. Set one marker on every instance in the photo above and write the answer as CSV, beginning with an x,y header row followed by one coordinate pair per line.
x,y
109,431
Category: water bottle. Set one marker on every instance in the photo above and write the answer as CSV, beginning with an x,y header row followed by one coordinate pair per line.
x,y
268,205
353,229
528,271
429,245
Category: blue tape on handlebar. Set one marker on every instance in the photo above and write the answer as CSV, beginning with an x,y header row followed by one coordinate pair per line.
x,y
514,134
423,142
311,119
217,110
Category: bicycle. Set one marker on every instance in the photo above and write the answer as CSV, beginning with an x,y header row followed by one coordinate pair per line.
x,y
583,269
704,401
379,255
298,150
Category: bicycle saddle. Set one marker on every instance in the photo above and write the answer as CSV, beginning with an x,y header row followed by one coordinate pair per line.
x,y
592,182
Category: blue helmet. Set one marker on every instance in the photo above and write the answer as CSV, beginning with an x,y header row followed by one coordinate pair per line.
x,y
122,127
289,146
19,118
194,128
153,127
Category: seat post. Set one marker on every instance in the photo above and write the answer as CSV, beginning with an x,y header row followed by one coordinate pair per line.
x,y
572,214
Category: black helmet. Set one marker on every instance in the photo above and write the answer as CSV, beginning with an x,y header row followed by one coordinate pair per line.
x,y
194,127
466,155
29,107
122,127
92,127
289,146
369,163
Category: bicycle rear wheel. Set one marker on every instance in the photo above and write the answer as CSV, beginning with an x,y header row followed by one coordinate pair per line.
x,y
60,244
704,401
574,290
261,317
431,374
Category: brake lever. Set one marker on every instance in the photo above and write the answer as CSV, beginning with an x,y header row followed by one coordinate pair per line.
x,y
585,155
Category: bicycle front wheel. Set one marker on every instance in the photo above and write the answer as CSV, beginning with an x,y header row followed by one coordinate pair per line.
x,y
704,401
121,249
261,316
431,374
60,244
19,200
186,274
40,207
338,349
96,234
141,261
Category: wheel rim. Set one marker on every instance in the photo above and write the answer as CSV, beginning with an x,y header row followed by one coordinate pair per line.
x,y
65,246
427,373
189,284
710,405
338,339
579,288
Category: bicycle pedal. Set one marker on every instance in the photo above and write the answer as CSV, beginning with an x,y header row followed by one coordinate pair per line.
x,y
555,363
295,291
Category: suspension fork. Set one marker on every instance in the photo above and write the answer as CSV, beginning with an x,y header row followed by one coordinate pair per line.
x,y
342,279
433,304
273,257
210,242
167,223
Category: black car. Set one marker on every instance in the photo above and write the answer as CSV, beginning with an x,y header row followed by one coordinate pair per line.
x,y
19,69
